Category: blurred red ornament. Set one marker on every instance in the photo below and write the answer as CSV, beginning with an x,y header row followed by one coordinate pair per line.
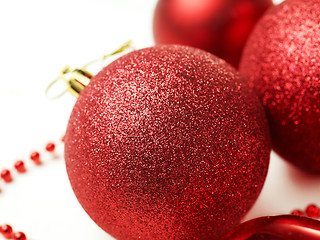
x,y
217,26
284,227
167,142
282,62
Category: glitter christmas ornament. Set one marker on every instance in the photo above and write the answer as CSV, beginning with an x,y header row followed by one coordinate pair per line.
x,y
167,142
282,62
220,26
284,227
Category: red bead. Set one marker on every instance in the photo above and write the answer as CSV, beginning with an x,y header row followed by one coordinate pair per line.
x,y
19,166
50,147
297,212
6,231
35,156
62,139
313,211
6,175
19,236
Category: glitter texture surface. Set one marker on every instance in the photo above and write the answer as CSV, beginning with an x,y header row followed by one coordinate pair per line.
x,y
167,143
282,62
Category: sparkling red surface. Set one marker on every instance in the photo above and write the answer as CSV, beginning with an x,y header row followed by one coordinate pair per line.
x,y
282,62
220,26
167,143
284,227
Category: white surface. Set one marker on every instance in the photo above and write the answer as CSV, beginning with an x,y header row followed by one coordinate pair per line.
x,y
37,38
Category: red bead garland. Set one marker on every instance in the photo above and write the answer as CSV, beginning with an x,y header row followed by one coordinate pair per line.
x,y
312,211
19,165
6,230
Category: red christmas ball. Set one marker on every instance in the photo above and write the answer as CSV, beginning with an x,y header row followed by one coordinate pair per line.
x,y
220,26
282,62
167,142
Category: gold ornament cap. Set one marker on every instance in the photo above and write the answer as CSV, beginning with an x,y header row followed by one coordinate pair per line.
x,y
78,78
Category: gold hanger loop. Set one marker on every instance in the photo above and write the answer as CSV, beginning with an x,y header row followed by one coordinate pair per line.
x,y
78,78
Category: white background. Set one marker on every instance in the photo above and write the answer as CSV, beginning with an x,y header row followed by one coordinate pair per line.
x,y
37,38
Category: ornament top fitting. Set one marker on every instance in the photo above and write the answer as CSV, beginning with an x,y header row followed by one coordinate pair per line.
x,y
78,78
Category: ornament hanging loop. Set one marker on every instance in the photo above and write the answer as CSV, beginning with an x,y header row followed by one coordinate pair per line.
x,y
127,46
78,78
